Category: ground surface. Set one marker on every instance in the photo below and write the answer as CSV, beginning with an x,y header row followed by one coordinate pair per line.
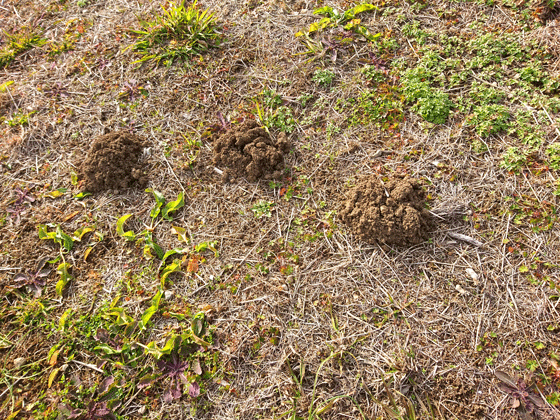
x,y
190,297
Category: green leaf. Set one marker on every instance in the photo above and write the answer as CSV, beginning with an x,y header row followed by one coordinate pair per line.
x,y
129,235
173,206
324,11
204,246
351,13
148,313
160,201
197,325
152,246
105,348
56,193
153,349
63,239
44,233
121,317
74,178
322,24
81,196
79,234
171,268
174,251
65,277
181,234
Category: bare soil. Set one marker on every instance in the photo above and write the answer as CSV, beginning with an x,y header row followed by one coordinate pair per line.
x,y
113,163
390,212
249,151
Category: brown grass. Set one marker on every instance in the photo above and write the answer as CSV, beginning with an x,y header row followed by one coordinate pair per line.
x,y
412,317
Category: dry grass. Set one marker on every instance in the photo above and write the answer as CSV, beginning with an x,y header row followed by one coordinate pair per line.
x,y
414,318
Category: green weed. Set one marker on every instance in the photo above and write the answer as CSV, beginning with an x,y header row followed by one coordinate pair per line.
x,y
182,32
333,18
489,119
323,77
19,42
553,152
263,208
514,159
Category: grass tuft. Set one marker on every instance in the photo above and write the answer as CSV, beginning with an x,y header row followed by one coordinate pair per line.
x,y
179,34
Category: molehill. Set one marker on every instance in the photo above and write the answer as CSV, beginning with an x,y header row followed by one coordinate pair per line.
x,y
389,212
249,151
113,163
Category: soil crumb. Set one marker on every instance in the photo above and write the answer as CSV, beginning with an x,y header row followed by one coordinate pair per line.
x,y
392,212
113,163
248,151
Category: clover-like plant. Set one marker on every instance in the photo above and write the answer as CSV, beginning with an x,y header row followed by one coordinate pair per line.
x,y
34,280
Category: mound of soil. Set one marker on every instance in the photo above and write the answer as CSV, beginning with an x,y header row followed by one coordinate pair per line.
x,y
391,212
248,151
113,163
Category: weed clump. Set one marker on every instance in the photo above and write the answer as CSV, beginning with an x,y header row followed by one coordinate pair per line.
x,y
182,32
19,42
113,162
389,212
249,151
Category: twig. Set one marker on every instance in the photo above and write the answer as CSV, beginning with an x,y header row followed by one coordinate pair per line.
x,y
465,238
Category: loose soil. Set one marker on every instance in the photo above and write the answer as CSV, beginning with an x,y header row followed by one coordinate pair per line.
x,y
113,163
390,213
249,151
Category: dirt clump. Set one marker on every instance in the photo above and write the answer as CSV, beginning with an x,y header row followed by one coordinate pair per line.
x,y
389,212
113,163
249,151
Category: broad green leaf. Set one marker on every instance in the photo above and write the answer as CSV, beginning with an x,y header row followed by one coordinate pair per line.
x,y
121,317
129,329
181,234
173,206
63,239
351,13
148,313
105,348
352,24
325,10
78,235
197,324
322,24
153,349
56,193
129,235
65,277
171,268
152,246
174,251
362,30
44,233
160,201
209,245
